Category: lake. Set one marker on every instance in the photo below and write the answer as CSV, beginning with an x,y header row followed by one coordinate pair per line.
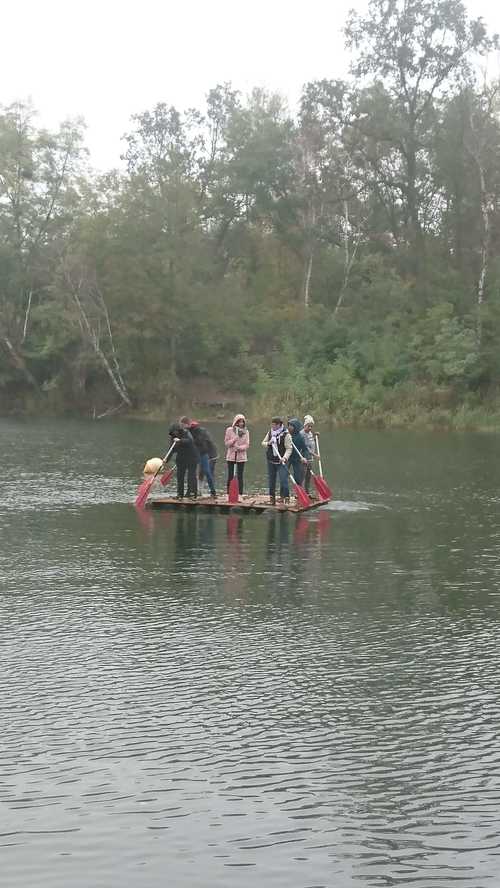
x,y
275,700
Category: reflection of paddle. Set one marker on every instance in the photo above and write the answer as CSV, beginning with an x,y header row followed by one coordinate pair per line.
x,y
145,487
319,483
323,525
146,519
234,523
302,529
302,497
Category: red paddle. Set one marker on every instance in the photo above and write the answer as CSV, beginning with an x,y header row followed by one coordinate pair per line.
x,y
146,485
302,497
233,491
319,483
167,476
321,486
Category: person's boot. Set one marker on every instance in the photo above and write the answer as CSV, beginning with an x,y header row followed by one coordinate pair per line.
x,y
272,500
286,500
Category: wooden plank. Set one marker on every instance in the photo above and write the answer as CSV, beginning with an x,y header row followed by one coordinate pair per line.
x,y
258,504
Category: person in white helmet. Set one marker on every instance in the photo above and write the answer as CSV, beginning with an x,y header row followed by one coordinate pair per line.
x,y
309,435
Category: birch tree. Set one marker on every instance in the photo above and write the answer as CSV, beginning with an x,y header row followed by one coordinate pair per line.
x,y
38,200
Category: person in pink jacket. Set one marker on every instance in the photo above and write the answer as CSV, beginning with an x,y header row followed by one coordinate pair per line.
x,y
237,441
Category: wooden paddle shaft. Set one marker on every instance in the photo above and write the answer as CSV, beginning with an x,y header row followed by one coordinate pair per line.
x,y
298,451
319,455
319,482
165,459
284,463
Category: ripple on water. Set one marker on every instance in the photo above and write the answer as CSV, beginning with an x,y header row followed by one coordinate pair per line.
x,y
28,491
209,702
346,747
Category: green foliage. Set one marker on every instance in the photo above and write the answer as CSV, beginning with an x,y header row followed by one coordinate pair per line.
x,y
345,261
445,349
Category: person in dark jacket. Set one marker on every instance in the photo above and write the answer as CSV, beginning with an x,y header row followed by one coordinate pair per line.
x,y
186,460
207,451
298,461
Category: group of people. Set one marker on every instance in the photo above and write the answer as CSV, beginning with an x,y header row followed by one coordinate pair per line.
x,y
290,451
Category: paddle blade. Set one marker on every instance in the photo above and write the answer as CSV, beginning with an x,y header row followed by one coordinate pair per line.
x,y
322,487
143,492
302,497
166,477
233,492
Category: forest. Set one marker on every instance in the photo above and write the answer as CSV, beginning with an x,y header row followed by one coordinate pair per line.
x,y
341,259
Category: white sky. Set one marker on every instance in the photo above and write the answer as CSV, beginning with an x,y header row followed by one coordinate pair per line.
x,y
107,60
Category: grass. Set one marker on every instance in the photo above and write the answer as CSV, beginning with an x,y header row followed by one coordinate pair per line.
x,y
413,408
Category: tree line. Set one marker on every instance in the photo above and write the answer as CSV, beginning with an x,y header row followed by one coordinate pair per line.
x,y
343,259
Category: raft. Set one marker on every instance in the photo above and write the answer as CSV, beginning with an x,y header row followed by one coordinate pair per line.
x,y
257,504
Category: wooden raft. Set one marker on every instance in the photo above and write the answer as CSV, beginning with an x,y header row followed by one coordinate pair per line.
x,y
258,504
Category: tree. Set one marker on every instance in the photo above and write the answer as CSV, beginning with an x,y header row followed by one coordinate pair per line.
x,y
39,197
410,51
483,144
333,192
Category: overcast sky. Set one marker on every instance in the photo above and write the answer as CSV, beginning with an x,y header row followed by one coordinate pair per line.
x,y
107,60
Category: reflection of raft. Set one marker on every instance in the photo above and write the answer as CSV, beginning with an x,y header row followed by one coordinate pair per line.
x,y
257,503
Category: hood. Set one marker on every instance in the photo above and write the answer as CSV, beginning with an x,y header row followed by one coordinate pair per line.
x,y
176,430
238,417
296,425
308,419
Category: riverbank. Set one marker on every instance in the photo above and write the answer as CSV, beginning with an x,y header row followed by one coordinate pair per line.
x,y
480,418
418,408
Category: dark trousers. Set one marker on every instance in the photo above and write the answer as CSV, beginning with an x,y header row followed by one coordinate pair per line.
x,y
240,468
275,470
307,478
206,470
192,484
297,469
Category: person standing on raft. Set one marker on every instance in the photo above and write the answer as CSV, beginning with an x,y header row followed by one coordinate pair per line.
x,y
186,460
300,451
310,437
206,449
237,441
278,444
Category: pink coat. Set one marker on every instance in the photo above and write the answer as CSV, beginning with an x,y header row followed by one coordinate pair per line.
x,y
237,445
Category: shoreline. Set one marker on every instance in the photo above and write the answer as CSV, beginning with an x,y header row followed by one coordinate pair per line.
x,y
463,419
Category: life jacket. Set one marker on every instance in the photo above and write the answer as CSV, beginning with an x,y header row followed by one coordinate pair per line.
x,y
280,447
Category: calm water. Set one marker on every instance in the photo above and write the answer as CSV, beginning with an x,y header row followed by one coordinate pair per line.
x,y
203,700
